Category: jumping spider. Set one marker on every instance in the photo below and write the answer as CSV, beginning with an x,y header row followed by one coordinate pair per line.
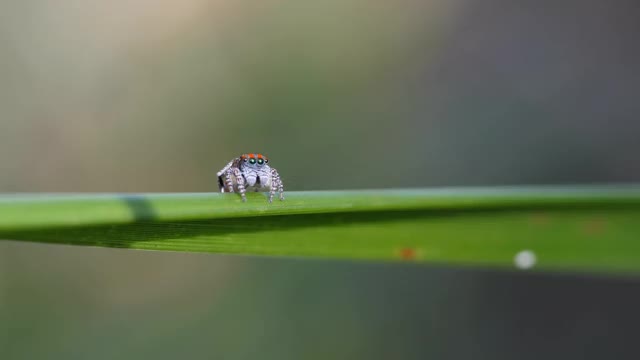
x,y
250,172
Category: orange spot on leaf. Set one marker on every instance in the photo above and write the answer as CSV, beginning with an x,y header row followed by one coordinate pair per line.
x,y
594,226
539,219
408,253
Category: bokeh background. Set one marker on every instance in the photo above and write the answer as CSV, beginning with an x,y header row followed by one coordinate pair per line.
x,y
156,96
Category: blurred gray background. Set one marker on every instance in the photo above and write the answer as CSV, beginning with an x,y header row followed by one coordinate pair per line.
x,y
156,96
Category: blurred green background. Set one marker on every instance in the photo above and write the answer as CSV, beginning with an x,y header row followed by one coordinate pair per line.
x,y
156,96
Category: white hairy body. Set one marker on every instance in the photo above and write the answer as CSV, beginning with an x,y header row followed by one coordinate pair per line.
x,y
250,172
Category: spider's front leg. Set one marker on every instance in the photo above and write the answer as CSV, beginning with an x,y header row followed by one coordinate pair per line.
x,y
276,184
240,183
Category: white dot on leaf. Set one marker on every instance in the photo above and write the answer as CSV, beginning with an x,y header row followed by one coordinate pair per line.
x,y
525,259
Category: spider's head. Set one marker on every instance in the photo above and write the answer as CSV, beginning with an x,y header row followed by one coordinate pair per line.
x,y
254,161
255,169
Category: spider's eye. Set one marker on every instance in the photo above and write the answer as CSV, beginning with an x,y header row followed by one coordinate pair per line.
x,y
253,161
260,161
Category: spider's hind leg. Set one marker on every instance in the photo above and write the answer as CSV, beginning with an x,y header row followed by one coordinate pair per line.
x,y
220,184
226,173
229,180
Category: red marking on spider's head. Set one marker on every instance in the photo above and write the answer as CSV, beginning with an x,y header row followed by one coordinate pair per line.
x,y
254,156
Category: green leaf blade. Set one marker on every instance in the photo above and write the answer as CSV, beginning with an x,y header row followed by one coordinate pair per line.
x,y
593,229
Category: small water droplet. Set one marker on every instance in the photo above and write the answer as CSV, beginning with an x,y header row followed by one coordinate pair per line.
x,y
525,259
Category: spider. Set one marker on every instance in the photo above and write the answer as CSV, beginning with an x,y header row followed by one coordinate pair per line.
x,y
250,172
